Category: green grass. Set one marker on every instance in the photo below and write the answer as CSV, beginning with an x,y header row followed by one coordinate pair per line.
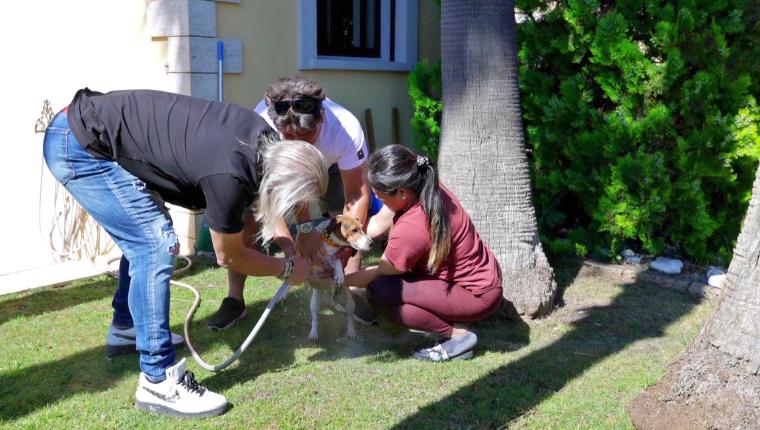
x,y
577,368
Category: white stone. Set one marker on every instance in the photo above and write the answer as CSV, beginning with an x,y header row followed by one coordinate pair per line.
x,y
716,281
202,85
198,55
181,18
670,266
630,257
715,277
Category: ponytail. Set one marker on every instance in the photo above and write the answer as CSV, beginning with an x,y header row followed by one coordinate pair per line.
x,y
436,212
394,167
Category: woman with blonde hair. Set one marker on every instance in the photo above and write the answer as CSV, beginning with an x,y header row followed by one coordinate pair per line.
x,y
436,274
121,155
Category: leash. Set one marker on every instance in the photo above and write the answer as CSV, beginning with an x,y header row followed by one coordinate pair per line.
x,y
278,296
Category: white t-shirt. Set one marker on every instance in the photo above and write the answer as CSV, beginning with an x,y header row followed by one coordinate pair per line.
x,y
341,139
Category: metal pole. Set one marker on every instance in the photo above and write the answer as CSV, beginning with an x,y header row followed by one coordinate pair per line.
x,y
220,61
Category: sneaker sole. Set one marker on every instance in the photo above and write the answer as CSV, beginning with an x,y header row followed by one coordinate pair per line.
x,y
230,324
164,410
113,351
463,356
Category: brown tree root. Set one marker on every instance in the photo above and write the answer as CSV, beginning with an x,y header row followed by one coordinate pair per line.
x,y
703,389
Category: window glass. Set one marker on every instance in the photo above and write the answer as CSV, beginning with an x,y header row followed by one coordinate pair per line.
x,y
348,28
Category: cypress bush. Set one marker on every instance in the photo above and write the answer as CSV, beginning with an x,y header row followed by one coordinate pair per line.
x,y
425,92
641,119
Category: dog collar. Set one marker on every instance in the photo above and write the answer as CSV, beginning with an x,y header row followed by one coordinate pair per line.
x,y
327,238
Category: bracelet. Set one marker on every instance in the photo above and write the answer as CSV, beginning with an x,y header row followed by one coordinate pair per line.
x,y
288,270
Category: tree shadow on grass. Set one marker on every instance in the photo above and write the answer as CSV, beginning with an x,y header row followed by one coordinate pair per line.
x,y
38,302
272,348
598,331
24,390
503,332
29,388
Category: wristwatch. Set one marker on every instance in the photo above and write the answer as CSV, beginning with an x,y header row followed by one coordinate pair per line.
x,y
305,228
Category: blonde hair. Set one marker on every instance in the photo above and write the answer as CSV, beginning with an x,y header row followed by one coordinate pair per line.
x,y
294,173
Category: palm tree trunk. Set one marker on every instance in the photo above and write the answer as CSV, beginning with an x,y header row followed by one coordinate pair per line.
x,y
715,383
482,151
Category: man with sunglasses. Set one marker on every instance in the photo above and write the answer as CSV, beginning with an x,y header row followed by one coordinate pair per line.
x,y
298,109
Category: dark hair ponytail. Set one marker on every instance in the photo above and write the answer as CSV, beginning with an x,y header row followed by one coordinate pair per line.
x,y
394,167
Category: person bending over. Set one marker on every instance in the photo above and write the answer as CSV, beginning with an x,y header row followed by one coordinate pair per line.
x,y
121,155
298,108
436,274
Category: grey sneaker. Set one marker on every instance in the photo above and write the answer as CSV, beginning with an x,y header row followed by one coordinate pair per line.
x,y
455,348
230,311
363,312
124,341
178,395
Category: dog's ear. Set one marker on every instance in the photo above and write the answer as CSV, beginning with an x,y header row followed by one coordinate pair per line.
x,y
352,219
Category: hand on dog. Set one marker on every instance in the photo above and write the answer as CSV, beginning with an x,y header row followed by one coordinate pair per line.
x,y
309,246
301,270
323,271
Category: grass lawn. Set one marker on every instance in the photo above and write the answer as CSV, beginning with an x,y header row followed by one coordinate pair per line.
x,y
577,368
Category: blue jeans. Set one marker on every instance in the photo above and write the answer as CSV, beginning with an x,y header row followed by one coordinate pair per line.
x,y
139,224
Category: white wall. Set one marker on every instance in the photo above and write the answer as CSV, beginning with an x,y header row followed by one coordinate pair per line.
x,y
51,48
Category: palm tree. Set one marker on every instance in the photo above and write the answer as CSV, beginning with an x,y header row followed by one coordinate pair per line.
x,y
482,151
715,383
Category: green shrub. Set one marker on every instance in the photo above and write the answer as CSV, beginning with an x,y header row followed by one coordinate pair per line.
x,y
425,91
641,118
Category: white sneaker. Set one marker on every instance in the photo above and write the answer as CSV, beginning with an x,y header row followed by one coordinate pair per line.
x,y
178,395
124,341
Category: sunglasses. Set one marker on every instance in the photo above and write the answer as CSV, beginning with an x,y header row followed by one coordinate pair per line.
x,y
302,105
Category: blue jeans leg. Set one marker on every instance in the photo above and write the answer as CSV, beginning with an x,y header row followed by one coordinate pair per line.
x,y
121,316
138,223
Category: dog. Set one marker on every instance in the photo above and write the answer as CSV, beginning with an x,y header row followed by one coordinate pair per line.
x,y
337,233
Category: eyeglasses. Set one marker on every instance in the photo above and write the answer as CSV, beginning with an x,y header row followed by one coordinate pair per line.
x,y
302,105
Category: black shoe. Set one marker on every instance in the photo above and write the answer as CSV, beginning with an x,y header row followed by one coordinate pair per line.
x,y
230,311
363,312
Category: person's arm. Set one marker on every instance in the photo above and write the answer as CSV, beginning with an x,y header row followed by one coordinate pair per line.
x,y
355,193
366,276
233,255
355,200
224,198
283,238
380,224
309,246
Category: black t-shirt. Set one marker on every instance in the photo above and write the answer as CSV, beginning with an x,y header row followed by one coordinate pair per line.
x,y
195,153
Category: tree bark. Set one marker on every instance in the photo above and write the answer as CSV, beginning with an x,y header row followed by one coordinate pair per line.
x,y
482,151
715,382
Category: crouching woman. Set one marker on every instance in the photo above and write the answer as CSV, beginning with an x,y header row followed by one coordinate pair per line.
x,y
436,274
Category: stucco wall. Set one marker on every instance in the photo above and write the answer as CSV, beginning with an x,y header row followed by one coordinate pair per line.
x,y
52,48
269,31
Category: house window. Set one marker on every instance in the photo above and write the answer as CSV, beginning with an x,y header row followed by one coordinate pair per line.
x,y
348,28
358,34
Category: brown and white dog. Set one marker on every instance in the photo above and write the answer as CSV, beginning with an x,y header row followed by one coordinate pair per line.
x,y
337,234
